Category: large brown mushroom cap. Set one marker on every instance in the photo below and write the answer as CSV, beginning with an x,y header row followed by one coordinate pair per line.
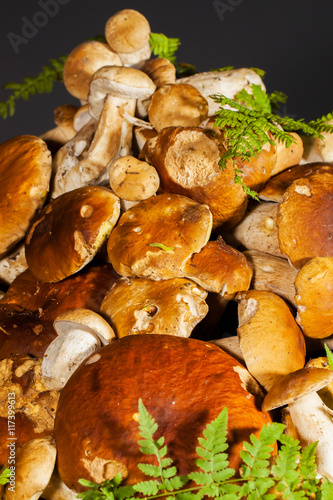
x,y
186,159
127,31
154,238
314,297
177,105
69,231
83,62
304,219
24,183
270,339
184,384
171,307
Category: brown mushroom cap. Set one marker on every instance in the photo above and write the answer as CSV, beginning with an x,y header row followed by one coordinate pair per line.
x,y
154,238
184,384
219,268
170,307
295,385
127,31
34,404
177,105
132,179
270,339
25,173
83,62
314,297
276,186
304,219
69,231
186,159
160,70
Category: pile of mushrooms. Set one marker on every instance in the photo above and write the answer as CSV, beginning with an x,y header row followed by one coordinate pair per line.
x,y
125,251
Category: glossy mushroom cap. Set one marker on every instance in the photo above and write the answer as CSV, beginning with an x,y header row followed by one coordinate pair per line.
x,y
184,384
304,219
83,62
154,238
25,172
69,231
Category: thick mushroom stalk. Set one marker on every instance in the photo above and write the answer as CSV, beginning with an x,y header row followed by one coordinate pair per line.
x,y
114,91
80,333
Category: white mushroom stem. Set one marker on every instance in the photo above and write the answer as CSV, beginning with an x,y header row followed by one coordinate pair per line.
x,y
314,423
64,354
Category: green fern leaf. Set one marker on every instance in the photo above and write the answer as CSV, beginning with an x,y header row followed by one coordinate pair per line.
x,y
162,46
5,475
149,470
327,490
148,488
329,355
201,478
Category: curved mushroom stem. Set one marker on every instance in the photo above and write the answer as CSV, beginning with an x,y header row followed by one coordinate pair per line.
x,y
314,423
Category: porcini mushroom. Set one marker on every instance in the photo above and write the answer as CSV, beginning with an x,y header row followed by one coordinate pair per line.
x,y
171,307
181,381
310,417
69,231
113,94
266,320
127,33
81,332
34,464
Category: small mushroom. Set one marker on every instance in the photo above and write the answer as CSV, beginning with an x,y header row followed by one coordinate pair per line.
x,y
324,146
132,179
171,307
270,339
127,33
160,70
34,464
311,418
177,105
81,332
64,131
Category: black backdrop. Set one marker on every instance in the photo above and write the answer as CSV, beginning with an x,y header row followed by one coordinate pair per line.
x,y
290,39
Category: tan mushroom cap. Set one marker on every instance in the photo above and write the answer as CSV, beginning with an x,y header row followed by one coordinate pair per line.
x,y
154,238
276,186
69,231
295,385
219,268
83,62
34,464
119,81
132,179
270,339
314,297
186,159
304,219
25,172
127,31
84,319
138,306
177,105
160,70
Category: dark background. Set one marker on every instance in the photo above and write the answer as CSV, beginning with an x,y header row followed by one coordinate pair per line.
x,y
290,39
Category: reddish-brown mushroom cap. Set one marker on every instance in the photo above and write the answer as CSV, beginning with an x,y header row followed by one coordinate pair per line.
x,y
69,231
184,384
154,238
304,219
25,173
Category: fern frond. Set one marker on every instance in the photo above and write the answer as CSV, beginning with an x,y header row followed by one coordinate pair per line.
x,y
162,46
329,355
